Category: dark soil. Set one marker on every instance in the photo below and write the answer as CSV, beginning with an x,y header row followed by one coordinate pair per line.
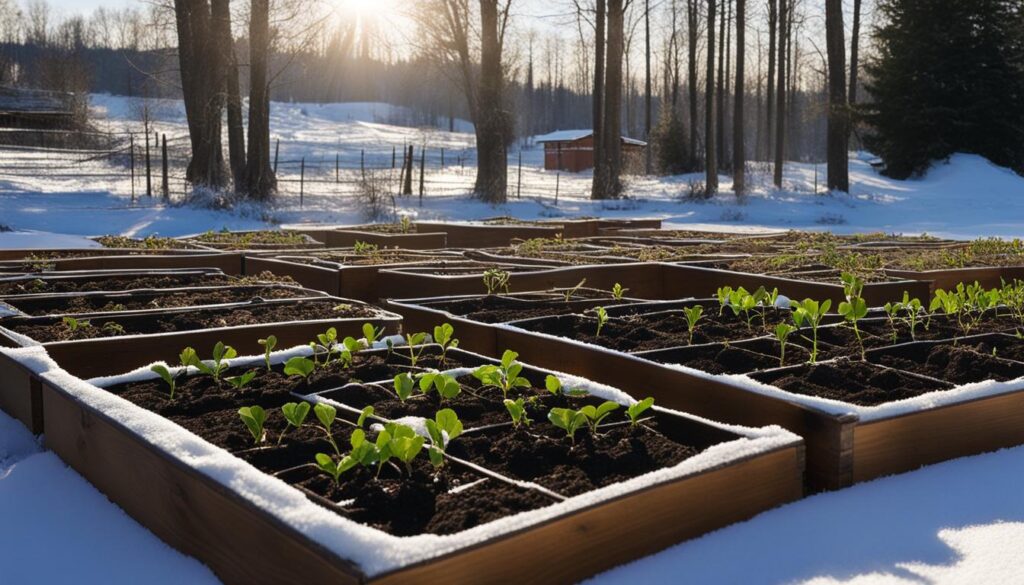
x,y
729,359
146,301
375,258
502,309
47,329
959,364
148,243
112,283
850,381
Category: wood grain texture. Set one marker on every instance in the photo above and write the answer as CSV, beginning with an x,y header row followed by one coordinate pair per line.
x,y
228,262
907,442
19,394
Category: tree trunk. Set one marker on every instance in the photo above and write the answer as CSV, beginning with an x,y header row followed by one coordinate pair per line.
x,y
773,18
609,184
720,97
710,150
236,125
260,179
600,172
693,22
854,52
838,132
780,105
647,86
202,64
492,123
738,147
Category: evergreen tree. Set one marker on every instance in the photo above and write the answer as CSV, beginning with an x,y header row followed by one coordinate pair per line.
x,y
948,77
669,141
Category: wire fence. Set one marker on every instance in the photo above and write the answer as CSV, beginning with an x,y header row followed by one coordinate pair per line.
x,y
154,165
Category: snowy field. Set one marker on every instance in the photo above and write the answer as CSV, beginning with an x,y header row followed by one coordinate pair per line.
x,y
960,522
964,197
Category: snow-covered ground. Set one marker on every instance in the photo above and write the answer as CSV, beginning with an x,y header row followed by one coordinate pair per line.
x,y
964,197
960,522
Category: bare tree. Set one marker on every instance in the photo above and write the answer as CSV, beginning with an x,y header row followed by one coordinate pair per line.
x,y
607,174
838,131
647,85
738,146
710,150
600,18
854,52
493,122
773,22
780,105
693,34
260,181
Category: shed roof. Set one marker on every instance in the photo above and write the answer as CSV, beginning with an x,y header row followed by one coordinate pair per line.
x,y
31,101
574,135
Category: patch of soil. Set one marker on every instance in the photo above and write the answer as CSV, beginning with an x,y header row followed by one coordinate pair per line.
x,y
850,381
374,258
147,301
258,238
502,309
112,283
47,329
728,359
147,243
959,364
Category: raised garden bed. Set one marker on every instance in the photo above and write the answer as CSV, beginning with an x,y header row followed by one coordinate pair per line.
x,y
227,262
147,243
472,525
256,240
116,342
110,280
483,235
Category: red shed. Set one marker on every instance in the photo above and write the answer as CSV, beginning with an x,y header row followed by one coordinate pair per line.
x,y
573,150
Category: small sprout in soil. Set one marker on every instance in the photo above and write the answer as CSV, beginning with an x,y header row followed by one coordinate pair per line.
x,y
568,420
693,314
638,408
254,417
371,334
517,410
811,312
447,386
113,328
364,248
366,413
402,443
239,382
505,376
412,340
444,336
221,353
572,291
73,325
324,341
723,293
782,333
326,464
618,292
496,281
602,320
596,414
404,385
912,309
554,386
165,375
326,414
854,308
405,224
295,414
299,366
445,427
892,313
268,346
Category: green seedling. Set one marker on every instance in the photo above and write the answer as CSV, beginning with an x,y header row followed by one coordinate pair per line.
x,y
447,386
602,320
268,346
327,464
444,336
324,342
221,353
638,408
811,312
299,366
554,386
572,291
912,309
568,420
73,325
596,414
693,315
366,413
326,414
504,376
371,334
254,417
496,281
723,294
412,341
239,382
165,375
364,248
402,443
404,385
113,328
782,333
517,410
892,313
445,427
854,308
618,292
295,414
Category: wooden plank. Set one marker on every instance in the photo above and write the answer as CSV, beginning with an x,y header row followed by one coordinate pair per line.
x,y
572,548
486,236
187,510
472,335
19,394
904,443
229,263
412,241
315,277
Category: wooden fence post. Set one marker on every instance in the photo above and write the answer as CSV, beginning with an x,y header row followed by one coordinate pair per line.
x,y
423,164
393,156
131,149
165,183
337,167
407,188
442,159
362,162
519,181
277,151
149,169
558,177
302,181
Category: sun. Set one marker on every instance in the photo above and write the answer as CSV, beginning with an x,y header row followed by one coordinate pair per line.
x,y
364,8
